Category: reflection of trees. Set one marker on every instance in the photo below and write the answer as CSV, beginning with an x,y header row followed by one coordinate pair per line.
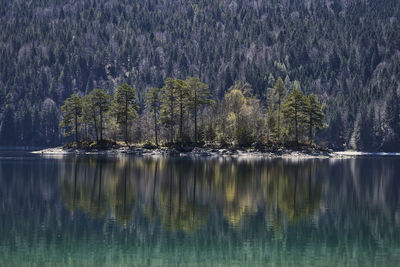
x,y
181,192
293,192
179,208
94,186
150,206
122,195
84,190
299,197
237,191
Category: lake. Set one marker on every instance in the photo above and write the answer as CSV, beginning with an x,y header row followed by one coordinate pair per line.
x,y
122,210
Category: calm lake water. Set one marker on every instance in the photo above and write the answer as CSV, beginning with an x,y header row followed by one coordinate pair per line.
x,y
116,211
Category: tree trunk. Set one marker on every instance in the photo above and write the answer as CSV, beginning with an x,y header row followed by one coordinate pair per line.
x,y
195,117
126,120
95,127
310,130
295,125
279,118
181,120
171,130
76,127
101,125
155,127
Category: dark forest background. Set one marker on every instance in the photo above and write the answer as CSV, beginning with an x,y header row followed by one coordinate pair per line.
x,y
347,52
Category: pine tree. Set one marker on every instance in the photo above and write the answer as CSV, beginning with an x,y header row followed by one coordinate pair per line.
x,y
392,120
71,111
279,94
153,102
182,101
124,107
293,110
392,112
365,137
169,106
89,115
314,115
199,96
101,103
7,133
27,133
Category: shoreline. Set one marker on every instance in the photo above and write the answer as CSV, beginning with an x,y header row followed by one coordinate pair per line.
x,y
211,153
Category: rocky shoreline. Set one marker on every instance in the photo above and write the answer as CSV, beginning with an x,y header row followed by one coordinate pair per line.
x,y
200,152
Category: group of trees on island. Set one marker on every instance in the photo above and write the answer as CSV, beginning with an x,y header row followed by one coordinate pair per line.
x,y
183,112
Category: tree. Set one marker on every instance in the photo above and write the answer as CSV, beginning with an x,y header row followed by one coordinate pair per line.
x,y
392,121
154,103
71,111
271,124
314,115
293,110
279,94
182,101
199,96
168,106
240,112
124,107
365,136
101,103
89,114
392,112
7,133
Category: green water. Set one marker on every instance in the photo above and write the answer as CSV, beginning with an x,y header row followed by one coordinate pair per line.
x,y
126,211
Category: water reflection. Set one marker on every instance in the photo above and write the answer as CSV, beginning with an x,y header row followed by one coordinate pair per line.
x,y
134,211
182,193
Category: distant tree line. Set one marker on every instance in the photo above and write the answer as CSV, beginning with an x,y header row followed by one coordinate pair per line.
x,y
183,112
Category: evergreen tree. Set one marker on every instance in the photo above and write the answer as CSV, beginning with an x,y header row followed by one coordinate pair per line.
x,y
335,132
314,116
279,94
71,112
293,110
182,92
169,106
153,102
89,115
26,128
7,134
365,137
124,107
392,120
392,112
101,103
199,96
271,124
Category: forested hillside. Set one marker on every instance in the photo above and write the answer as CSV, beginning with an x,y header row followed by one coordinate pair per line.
x,y
346,52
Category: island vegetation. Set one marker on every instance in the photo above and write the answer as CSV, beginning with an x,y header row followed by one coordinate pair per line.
x,y
182,114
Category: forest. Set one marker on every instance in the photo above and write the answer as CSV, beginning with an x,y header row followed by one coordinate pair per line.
x,y
181,112
346,53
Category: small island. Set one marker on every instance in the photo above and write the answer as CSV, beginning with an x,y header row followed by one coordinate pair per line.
x,y
181,118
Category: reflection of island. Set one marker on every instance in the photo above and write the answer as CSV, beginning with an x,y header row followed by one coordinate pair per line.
x,y
182,193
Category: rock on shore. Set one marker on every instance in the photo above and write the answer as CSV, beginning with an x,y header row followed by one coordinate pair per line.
x,y
198,152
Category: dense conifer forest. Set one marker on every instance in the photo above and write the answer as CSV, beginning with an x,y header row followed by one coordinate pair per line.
x,y
345,54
